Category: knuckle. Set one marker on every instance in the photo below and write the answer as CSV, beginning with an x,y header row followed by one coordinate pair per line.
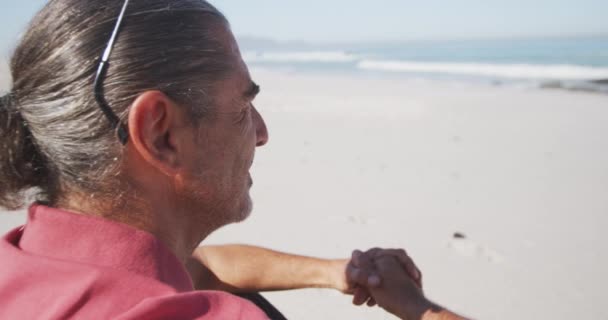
x,y
362,277
373,251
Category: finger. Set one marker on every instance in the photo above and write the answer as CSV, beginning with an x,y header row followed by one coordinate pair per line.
x,y
412,270
365,260
360,296
366,296
373,252
419,279
362,277
367,263
367,275
409,265
374,281
355,258
355,276
371,302
390,265
405,260
363,268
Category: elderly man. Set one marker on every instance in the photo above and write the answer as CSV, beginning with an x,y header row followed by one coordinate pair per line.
x,y
138,157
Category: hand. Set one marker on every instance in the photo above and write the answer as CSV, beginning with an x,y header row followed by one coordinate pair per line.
x,y
361,270
398,294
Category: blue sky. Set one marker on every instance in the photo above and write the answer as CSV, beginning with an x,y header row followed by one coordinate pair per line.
x,y
359,20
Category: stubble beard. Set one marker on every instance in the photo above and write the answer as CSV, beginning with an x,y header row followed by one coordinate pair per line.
x,y
219,213
245,210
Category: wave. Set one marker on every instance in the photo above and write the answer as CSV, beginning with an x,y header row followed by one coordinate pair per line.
x,y
510,71
300,56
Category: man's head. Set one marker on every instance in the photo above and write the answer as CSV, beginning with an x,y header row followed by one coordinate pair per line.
x,y
206,161
176,79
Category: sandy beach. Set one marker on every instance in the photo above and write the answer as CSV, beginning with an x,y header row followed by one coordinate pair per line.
x,y
358,162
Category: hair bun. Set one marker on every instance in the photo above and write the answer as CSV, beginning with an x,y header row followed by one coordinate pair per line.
x,y
21,165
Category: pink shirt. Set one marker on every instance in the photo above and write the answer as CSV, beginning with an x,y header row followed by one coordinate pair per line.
x,y
63,265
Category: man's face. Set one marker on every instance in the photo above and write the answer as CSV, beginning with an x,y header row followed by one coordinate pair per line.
x,y
224,144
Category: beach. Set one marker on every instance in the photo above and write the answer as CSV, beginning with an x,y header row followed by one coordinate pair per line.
x,y
499,193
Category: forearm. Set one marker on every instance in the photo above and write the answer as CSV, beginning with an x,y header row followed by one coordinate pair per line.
x,y
427,311
242,268
441,314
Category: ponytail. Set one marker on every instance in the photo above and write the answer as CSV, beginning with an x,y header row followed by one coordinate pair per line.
x,y
21,165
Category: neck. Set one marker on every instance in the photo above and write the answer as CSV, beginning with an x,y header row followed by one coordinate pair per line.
x,y
170,224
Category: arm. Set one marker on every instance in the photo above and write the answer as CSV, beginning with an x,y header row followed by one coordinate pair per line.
x,y
242,268
441,314
430,311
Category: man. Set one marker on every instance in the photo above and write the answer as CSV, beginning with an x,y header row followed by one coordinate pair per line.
x,y
116,245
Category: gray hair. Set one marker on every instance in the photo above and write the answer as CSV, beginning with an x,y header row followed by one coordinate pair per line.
x,y
54,136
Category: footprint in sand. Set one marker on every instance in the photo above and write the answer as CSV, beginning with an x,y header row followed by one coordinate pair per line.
x,y
471,249
352,219
357,220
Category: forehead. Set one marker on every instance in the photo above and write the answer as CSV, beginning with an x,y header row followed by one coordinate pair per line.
x,y
239,71
237,80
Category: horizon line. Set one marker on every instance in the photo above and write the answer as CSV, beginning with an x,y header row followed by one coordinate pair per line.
x,y
431,38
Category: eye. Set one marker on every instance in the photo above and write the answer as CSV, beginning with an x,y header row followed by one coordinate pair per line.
x,y
245,113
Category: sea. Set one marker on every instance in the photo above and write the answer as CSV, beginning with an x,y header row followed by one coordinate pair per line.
x,y
570,63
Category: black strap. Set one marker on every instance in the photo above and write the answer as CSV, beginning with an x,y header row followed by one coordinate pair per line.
x,y
270,310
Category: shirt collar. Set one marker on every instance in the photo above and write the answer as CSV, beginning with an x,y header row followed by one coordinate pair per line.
x,y
64,235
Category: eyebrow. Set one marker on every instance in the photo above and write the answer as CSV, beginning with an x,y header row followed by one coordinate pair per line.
x,y
253,91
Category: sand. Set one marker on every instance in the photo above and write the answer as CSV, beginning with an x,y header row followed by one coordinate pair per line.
x,y
358,162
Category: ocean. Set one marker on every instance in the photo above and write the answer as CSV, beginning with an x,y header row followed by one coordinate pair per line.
x,y
573,63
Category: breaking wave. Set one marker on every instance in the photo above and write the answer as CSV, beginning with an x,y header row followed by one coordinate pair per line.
x,y
300,57
510,71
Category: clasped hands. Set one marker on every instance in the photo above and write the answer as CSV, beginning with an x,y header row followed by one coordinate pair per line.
x,y
387,277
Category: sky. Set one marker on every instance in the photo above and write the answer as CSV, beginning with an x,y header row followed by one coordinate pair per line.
x,y
331,21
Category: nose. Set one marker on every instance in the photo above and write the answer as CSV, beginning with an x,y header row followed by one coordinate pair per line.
x,y
260,128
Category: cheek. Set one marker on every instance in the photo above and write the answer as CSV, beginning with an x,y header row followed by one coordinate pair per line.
x,y
226,152
247,144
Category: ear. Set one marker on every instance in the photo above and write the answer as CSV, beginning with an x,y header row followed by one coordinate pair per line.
x,y
154,126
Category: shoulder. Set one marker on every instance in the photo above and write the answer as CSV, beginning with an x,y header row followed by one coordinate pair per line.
x,y
199,305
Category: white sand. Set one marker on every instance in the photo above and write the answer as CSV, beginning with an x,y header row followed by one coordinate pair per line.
x,y
356,163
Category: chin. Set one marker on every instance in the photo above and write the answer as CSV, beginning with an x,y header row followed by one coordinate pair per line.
x,y
244,210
